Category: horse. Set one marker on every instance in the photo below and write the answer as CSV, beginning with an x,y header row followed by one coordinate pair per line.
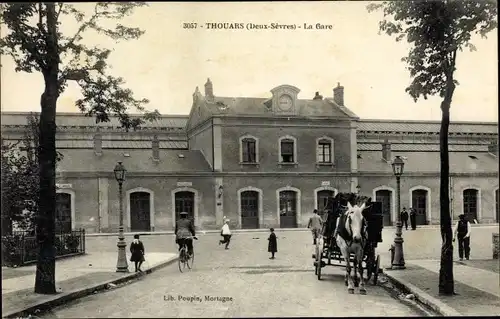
x,y
351,238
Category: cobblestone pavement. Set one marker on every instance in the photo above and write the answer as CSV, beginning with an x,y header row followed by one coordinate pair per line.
x,y
246,282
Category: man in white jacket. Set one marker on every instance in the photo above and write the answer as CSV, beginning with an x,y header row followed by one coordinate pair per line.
x,y
462,231
226,233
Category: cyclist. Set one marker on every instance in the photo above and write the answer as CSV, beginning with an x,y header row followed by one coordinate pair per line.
x,y
184,229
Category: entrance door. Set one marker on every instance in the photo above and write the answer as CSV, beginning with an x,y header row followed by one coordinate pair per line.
x,y
470,204
419,203
140,217
288,209
184,202
384,197
249,210
63,213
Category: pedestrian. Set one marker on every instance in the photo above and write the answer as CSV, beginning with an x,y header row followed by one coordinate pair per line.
x,y
137,251
315,224
413,218
462,231
226,233
272,246
404,218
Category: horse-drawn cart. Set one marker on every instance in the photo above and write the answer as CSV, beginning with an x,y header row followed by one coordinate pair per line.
x,y
327,248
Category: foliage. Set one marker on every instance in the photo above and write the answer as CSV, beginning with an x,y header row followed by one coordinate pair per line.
x,y
437,31
28,42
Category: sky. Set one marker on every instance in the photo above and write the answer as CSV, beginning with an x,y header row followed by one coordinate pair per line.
x,y
168,62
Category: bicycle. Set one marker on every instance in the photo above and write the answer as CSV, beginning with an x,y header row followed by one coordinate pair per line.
x,y
184,258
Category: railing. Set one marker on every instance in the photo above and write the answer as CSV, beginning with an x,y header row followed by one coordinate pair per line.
x,y
21,248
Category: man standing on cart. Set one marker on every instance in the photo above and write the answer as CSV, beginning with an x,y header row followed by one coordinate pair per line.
x,y
316,225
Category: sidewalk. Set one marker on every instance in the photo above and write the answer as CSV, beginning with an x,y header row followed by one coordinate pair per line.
x,y
477,283
75,278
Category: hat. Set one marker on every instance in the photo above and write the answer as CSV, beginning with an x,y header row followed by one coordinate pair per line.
x,y
183,213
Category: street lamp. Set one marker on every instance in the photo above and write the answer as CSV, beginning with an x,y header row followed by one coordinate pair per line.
x,y
399,260
121,264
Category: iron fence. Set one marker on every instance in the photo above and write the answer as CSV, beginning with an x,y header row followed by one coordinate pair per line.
x,y
21,247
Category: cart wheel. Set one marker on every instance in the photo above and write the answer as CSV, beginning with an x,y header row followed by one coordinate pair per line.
x,y
329,257
376,270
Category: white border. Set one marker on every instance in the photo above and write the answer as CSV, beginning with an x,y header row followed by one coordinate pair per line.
x,y
479,203
298,204
332,151
428,200
151,206
196,202
260,208
73,212
247,136
323,188
295,159
393,200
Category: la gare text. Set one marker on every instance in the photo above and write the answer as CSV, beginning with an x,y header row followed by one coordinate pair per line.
x,y
256,26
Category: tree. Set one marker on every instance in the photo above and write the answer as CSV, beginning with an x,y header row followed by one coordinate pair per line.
x,y
437,31
36,42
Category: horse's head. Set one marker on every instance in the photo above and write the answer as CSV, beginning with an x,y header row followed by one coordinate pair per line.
x,y
356,221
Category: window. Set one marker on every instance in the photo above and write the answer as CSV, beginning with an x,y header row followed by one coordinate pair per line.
x,y
287,150
324,151
249,150
470,204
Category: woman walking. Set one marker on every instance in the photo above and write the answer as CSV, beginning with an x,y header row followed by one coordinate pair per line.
x,y
226,233
272,246
137,251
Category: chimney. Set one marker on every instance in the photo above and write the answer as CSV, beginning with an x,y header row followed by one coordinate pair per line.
x,y
493,148
317,96
209,90
98,144
386,151
338,95
156,148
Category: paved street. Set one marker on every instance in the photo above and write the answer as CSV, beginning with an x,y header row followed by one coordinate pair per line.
x,y
252,284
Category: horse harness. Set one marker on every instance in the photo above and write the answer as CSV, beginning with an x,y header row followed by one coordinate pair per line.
x,y
347,236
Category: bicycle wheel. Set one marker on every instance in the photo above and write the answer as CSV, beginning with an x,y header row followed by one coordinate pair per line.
x,y
182,259
190,260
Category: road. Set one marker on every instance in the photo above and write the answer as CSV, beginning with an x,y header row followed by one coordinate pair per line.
x,y
252,284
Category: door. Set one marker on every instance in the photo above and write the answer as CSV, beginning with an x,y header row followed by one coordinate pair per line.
x,y
249,210
325,200
384,197
140,218
470,204
496,206
63,213
288,209
184,202
419,203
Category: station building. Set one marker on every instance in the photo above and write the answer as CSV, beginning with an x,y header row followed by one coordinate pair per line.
x,y
262,162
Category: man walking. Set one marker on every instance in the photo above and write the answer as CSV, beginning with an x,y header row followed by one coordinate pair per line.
x,y
315,224
462,229
404,218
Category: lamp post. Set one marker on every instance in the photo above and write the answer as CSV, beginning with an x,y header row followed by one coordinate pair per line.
x,y
121,264
399,260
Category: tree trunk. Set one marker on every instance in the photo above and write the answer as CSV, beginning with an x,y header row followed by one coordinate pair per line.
x,y
446,283
45,230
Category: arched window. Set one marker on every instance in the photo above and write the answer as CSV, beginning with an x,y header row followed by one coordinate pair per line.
x,y
249,150
287,149
324,150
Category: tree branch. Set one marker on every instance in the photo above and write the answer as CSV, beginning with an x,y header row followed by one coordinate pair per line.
x,y
61,5
82,28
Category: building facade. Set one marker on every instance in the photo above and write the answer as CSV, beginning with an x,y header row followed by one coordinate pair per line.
x,y
262,162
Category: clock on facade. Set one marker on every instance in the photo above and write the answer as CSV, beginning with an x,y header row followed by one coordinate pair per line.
x,y
285,103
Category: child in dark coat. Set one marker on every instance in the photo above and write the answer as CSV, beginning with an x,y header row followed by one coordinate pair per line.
x,y
137,251
272,247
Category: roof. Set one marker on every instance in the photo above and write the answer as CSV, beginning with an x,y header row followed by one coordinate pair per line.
x,y
119,144
426,126
460,162
80,160
262,107
421,147
79,119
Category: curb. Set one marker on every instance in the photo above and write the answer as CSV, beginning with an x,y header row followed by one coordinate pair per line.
x,y
170,232
421,296
66,297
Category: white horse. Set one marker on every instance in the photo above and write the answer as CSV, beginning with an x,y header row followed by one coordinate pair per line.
x,y
351,239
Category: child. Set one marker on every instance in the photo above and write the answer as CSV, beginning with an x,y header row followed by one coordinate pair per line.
x,y
226,233
137,251
272,247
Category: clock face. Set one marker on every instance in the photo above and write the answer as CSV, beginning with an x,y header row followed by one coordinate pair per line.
x,y
285,102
